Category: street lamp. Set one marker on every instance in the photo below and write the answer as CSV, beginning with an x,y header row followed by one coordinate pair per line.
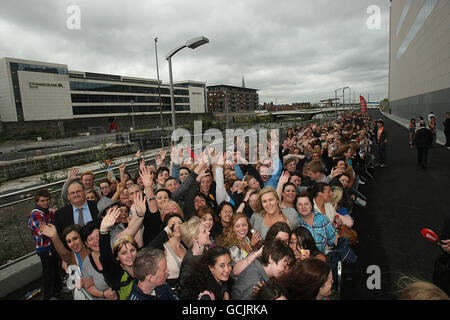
x,y
159,89
192,43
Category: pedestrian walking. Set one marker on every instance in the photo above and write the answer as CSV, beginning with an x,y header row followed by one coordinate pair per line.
x,y
446,124
423,140
412,130
382,139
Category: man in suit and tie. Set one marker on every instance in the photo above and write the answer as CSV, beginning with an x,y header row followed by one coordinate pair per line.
x,y
79,211
422,140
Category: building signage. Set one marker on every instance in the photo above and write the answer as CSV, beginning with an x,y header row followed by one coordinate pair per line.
x,y
35,85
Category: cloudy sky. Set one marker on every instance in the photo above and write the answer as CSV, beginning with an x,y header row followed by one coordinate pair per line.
x,y
291,50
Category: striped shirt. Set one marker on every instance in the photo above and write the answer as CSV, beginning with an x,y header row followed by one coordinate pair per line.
x,y
322,230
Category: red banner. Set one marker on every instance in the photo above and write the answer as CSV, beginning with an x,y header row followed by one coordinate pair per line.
x,y
363,104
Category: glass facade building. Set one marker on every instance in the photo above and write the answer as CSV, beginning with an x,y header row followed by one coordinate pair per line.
x,y
33,90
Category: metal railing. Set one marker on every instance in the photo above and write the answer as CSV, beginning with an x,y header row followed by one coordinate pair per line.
x,y
15,237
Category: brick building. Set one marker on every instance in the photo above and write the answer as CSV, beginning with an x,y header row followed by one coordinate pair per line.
x,y
223,98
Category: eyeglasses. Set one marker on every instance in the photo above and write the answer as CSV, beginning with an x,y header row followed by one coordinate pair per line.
x,y
75,192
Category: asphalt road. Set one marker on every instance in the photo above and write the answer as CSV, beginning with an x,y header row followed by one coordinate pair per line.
x,y
402,199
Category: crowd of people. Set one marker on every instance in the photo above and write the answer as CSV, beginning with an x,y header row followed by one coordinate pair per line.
x,y
423,136
219,227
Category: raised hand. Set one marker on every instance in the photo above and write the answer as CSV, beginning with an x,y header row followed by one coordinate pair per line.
x,y
163,154
121,186
256,236
139,204
48,230
242,186
147,177
176,154
72,175
112,214
335,172
219,159
284,178
160,157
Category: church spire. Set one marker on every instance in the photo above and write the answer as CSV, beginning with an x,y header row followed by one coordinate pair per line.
x,y
243,82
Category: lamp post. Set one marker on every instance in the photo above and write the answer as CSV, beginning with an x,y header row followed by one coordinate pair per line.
x,y
159,89
192,43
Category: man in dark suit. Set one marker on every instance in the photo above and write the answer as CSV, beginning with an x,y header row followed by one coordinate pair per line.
x,y
422,140
70,214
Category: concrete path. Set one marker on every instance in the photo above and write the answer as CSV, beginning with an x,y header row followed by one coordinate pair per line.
x,y
402,199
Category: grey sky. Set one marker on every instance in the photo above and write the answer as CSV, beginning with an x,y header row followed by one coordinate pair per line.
x,y
291,50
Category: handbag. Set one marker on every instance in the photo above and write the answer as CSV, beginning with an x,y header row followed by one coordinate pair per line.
x,y
348,233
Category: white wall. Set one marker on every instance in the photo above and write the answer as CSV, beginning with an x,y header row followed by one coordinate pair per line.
x,y
45,96
425,65
7,104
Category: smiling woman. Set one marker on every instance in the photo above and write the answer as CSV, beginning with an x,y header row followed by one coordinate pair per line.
x,y
92,270
71,249
268,212
210,277
237,239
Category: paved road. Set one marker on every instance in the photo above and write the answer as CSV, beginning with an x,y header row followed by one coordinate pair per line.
x,y
402,199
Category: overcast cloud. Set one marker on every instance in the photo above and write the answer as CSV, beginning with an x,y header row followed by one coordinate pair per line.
x,y
291,50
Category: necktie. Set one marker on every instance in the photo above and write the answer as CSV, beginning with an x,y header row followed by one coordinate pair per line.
x,y
80,217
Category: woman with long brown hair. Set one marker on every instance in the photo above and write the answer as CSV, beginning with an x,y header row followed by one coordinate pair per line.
x,y
237,239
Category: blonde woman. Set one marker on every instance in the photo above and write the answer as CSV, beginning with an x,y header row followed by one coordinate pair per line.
x,y
195,235
268,212
411,288
340,212
171,207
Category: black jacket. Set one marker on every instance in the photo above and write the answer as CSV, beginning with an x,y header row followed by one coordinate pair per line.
x,y
64,216
446,124
423,138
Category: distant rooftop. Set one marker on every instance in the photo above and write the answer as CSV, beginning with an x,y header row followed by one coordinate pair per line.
x,y
230,87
